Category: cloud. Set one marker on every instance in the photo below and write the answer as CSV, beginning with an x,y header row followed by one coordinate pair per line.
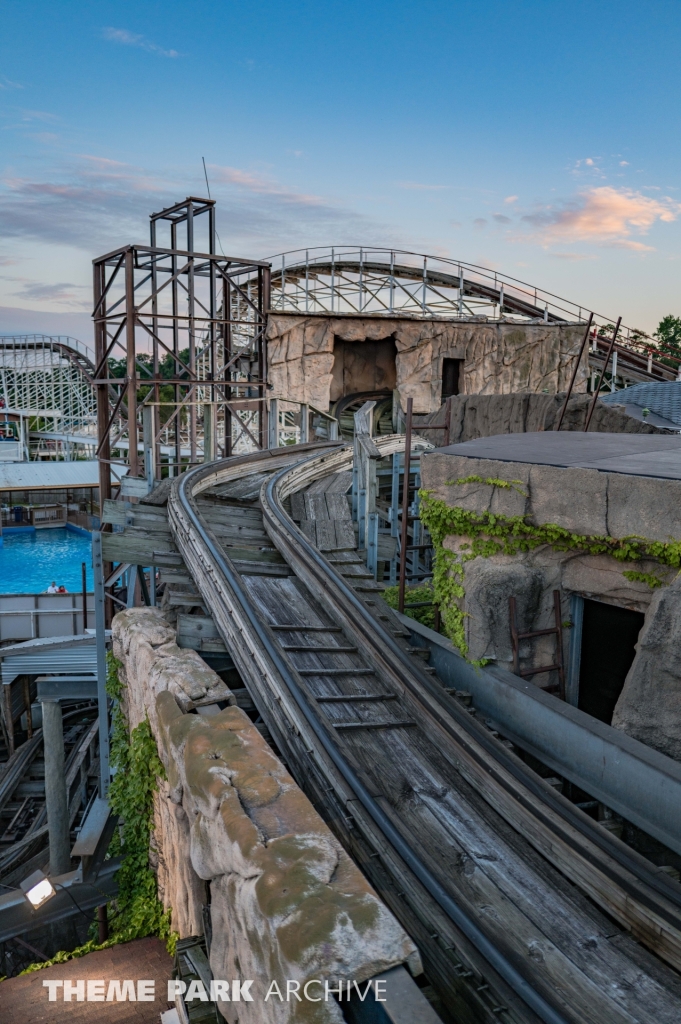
x,y
624,163
63,292
572,256
605,215
480,222
6,84
125,38
500,219
47,137
261,185
417,185
96,204
511,199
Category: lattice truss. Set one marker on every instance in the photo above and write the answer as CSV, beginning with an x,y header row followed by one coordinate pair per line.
x,y
386,282
48,380
189,327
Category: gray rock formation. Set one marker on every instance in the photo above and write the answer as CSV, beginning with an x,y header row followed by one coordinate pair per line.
x,y
649,707
287,902
498,357
483,415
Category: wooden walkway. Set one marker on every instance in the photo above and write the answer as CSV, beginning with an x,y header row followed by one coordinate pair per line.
x,y
24,1000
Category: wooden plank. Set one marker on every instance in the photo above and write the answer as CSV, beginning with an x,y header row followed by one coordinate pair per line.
x,y
315,506
319,486
201,626
133,487
262,569
309,528
338,506
339,483
345,534
298,506
253,554
116,512
387,547
229,513
244,533
137,547
326,535
177,599
168,576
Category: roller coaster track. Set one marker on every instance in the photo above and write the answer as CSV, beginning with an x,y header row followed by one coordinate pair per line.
x,y
524,909
23,814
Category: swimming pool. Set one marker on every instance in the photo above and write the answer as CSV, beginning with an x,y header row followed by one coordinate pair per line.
x,y
30,561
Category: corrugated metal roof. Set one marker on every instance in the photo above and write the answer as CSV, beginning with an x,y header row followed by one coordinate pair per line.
x,y
72,659
663,398
33,476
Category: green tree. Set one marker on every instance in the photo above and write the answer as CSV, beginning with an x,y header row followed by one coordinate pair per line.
x,y
668,337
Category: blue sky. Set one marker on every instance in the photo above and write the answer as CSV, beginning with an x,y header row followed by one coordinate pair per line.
x,y
538,138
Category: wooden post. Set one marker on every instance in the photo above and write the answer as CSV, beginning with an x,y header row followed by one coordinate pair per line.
x,y
83,570
56,802
209,453
597,388
7,711
404,535
27,705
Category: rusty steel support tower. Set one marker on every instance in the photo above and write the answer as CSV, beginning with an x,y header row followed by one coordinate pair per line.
x,y
190,325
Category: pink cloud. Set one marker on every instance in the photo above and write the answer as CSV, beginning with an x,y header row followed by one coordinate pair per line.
x,y
607,215
262,185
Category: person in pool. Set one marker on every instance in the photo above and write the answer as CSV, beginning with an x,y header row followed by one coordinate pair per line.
x,y
52,589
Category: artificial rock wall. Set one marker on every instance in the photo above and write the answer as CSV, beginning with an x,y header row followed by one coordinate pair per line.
x,y
586,502
286,901
499,358
473,416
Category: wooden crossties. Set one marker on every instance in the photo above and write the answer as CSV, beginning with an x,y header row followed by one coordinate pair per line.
x,y
497,840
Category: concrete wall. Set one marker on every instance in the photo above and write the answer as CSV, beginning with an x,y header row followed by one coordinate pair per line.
x,y
287,902
587,502
499,358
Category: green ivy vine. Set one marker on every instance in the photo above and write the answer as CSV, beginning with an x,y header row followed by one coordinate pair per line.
x,y
137,911
490,533
423,594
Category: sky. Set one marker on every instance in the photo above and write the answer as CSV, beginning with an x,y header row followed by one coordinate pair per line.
x,y
540,139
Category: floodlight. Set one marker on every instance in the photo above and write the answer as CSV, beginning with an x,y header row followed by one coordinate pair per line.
x,y
38,889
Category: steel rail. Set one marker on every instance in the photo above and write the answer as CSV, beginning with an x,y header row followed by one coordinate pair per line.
x,y
628,859
501,964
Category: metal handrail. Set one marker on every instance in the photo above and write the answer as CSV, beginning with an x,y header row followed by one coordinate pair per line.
x,y
438,272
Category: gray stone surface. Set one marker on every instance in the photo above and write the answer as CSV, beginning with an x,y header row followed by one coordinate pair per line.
x,y
488,585
287,902
644,507
439,471
649,708
601,578
484,415
585,501
498,358
572,498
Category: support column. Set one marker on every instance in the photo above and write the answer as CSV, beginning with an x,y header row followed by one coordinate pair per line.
x,y
149,446
55,788
102,699
209,447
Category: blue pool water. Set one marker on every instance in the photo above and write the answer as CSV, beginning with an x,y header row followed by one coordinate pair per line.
x,y
30,561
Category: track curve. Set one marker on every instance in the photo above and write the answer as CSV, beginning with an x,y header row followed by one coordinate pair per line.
x,y
469,789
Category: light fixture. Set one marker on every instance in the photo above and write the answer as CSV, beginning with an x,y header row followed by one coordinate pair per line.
x,y
38,889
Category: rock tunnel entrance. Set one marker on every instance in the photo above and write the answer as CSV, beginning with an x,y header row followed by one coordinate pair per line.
x,y
362,366
609,634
